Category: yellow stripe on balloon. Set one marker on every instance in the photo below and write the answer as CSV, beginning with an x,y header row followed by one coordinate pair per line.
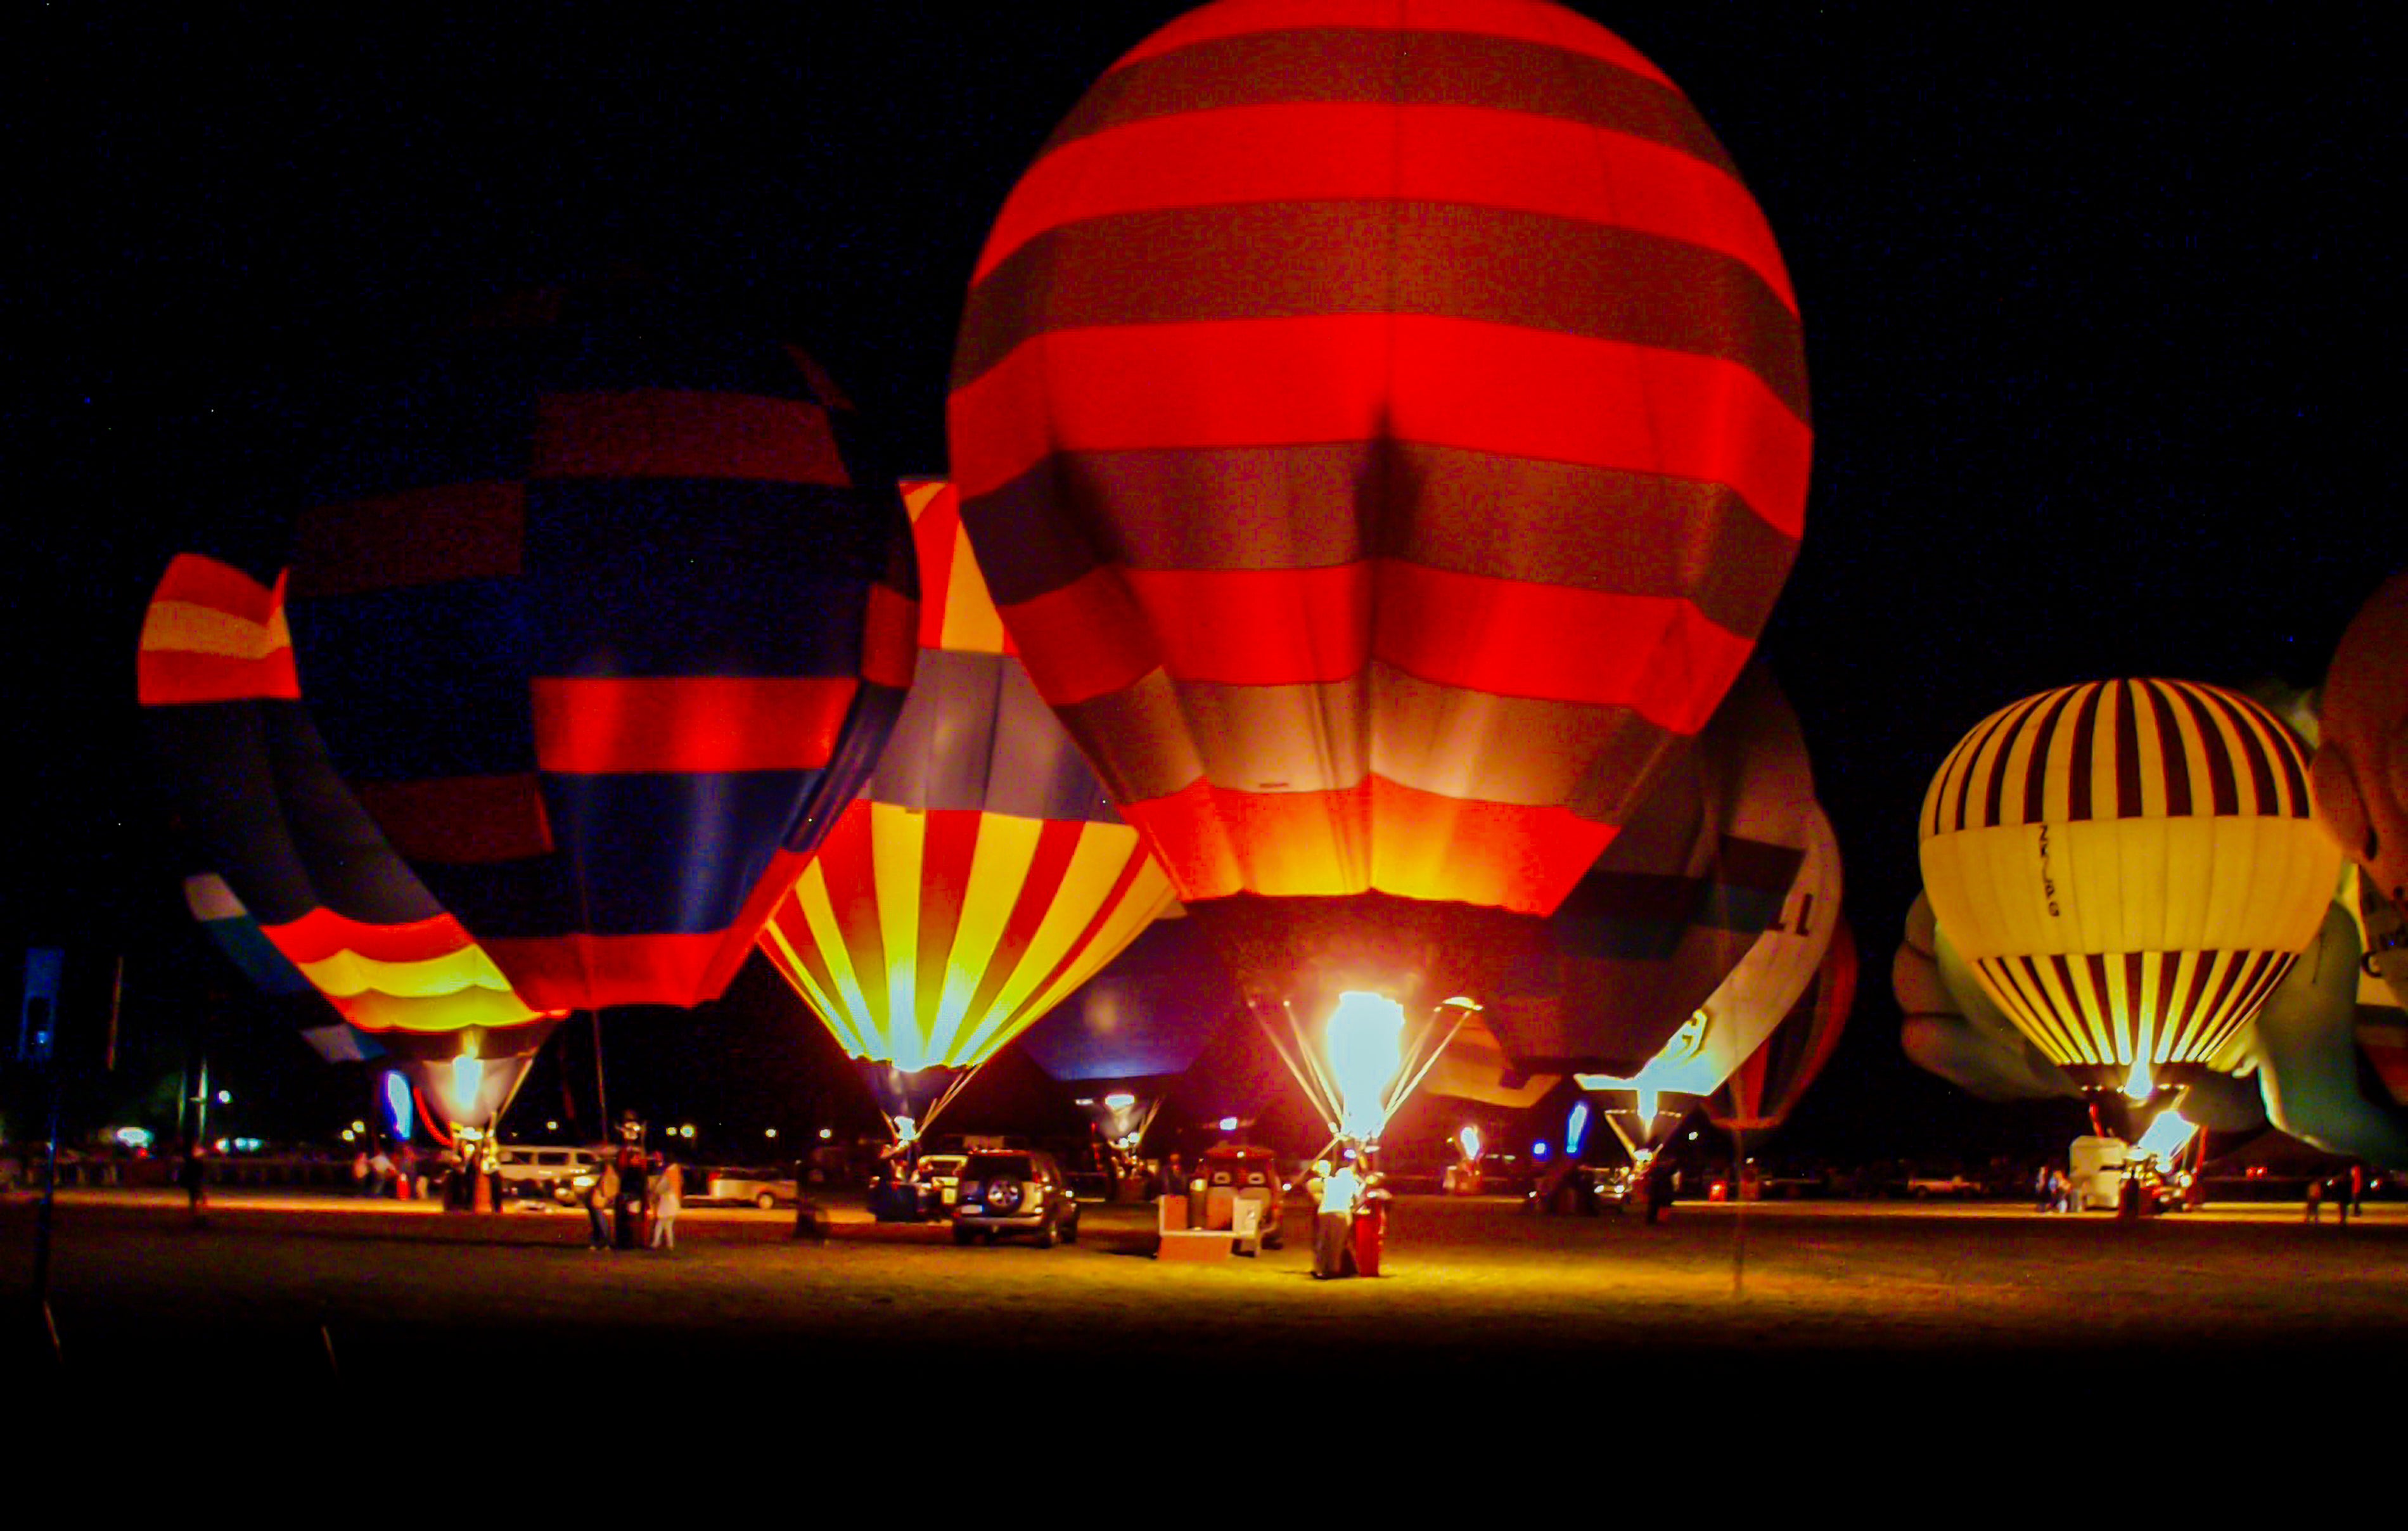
x,y
852,1012
1147,896
1000,863
972,625
1097,863
783,956
899,843
346,974
435,1014
189,627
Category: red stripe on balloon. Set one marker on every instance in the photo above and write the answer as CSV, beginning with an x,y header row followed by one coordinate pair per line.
x,y
935,532
176,677
688,723
584,972
1087,639
1658,656
197,579
471,530
322,934
1547,24
948,851
889,627
651,432
1378,152
1268,627
1411,378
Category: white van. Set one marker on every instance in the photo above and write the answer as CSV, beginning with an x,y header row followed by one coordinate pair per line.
x,y
2096,1166
557,1174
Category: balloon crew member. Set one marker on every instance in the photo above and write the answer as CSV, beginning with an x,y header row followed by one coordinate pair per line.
x,y
599,1198
668,1198
634,1168
1333,1226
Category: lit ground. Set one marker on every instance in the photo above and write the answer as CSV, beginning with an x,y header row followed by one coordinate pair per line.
x,y
1474,1294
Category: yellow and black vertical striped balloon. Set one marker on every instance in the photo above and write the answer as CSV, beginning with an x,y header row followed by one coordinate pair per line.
x,y
2129,866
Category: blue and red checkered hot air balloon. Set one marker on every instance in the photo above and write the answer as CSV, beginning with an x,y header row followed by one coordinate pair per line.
x,y
1383,424
589,628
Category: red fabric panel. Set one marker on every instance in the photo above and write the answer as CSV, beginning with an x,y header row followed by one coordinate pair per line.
x,y
165,674
1269,627
460,819
948,847
584,972
1528,23
419,537
322,934
1087,639
1379,153
1660,657
1499,855
934,537
169,677
689,722
1446,382
887,629
651,433
198,579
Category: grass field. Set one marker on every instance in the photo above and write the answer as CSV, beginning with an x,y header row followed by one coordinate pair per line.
x,y
1806,1300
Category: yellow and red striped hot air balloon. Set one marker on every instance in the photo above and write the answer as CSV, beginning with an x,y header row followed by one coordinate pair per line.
x,y
982,876
2131,867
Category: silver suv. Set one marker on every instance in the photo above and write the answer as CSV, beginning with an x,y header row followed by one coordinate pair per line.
x,y
1005,1191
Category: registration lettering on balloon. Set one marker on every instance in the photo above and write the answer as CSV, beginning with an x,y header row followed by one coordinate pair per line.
x,y
2047,881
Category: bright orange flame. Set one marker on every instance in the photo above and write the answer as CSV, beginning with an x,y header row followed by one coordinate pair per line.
x,y
1366,1053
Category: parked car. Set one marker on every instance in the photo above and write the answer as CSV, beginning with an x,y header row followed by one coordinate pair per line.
x,y
764,1188
1924,1187
1019,1191
559,1173
1231,1173
939,1178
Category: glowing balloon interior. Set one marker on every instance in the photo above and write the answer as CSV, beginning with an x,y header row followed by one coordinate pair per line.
x,y
1385,431
2131,867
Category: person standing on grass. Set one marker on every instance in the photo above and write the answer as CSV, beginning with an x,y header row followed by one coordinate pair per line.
x,y
1333,1226
194,1178
668,1196
599,1198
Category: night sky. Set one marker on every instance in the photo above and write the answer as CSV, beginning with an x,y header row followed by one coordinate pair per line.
x,y
2097,316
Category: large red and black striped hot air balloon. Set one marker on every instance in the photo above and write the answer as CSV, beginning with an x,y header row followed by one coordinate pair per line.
x,y
592,622
2131,867
980,878
1383,424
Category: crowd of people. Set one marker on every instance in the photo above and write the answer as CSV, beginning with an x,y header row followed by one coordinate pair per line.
x,y
634,1203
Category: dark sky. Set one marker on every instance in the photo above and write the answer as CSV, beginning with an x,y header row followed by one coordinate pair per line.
x,y
2100,323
